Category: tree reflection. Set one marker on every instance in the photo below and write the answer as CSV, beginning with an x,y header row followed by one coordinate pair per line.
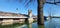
x,y
40,26
29,25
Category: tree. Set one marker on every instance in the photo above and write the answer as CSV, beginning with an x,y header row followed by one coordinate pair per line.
x,y
40,10
51,12
40,18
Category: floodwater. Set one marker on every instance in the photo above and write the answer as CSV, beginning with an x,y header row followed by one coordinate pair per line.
x,y
53,23
18,25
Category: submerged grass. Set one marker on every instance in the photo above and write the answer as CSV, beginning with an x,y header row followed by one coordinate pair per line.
x,y
10,26
0,26
17,24
40,26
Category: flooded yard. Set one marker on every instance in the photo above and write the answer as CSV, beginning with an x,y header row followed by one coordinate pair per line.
x,y
18,25
53,23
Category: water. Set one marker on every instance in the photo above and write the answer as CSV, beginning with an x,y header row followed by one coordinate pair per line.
x,y
25,25
53,23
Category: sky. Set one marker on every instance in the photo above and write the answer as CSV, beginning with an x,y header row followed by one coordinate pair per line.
x,y
51,8
11,6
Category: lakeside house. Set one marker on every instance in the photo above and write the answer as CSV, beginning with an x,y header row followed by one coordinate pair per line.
x,y
9,18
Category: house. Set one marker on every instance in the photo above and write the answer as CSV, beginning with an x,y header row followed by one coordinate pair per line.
x,y
16,17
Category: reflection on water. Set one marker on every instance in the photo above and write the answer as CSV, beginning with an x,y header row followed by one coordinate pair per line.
x,y
29,25
54,23
18,25
24,25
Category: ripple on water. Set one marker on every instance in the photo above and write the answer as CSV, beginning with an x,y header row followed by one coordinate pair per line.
x,y
55,23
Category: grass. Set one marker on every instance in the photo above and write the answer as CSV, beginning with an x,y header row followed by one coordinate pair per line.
x,y
16,25
40,26
0,26
10,26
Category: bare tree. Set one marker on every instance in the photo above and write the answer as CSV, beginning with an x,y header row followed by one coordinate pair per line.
x,y
51,12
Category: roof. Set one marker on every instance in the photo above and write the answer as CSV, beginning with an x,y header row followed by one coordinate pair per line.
x,y
13,15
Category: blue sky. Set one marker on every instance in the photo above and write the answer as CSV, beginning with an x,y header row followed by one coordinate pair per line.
x,y
54,9
12,5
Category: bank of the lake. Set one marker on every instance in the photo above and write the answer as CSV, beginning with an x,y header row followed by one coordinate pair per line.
x,y
24,25
53,23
